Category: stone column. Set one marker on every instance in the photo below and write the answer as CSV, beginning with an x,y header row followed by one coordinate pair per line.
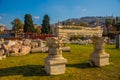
x,y
99,57
55,63
118,41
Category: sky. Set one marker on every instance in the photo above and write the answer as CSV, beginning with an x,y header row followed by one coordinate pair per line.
x,y
57,10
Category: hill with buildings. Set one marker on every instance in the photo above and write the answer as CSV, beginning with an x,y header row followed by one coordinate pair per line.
x,y
90,21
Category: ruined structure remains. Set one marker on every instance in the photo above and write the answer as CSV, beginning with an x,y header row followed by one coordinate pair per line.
x,y
70,31
99,57
55,63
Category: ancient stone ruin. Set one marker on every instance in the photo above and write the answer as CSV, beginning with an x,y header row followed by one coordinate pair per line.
x,y
69,31
55,62
19,47
99,57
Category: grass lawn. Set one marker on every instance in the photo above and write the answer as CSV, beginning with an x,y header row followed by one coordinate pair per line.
x,y
31,67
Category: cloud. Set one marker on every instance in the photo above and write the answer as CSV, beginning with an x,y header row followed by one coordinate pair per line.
x,y
84,10
36,17
0,17
79,8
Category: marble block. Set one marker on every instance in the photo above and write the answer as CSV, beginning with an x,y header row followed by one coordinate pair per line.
x,y
99,59
55,66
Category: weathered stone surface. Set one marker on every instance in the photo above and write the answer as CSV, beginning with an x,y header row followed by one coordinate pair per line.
x,y
45,49
9,43
66,49
83,42
2,54
41,43
15,48
34,44
99,57
37,50
55,63
24,50
55,66
70,31
27,42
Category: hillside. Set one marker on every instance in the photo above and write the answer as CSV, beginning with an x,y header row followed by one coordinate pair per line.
x,y
91,21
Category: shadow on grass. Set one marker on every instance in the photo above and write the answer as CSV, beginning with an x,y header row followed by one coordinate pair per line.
x,y
80,65
28,70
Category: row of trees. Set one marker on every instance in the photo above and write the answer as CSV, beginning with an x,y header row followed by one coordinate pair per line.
x,y
113,23
28,25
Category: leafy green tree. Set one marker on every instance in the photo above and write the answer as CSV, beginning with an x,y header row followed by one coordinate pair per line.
x,y
28,23
46,25
17,25
38,30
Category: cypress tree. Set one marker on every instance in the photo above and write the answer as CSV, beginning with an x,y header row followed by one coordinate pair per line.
x,y
46,25
28,23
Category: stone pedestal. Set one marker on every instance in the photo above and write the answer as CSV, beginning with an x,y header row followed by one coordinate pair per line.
x,y
55,63
118,41
99,57
55,66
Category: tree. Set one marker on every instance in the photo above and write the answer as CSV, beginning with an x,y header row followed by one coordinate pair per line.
x,y
108,24
38,30
84,24
46,25
117,25
69,23
28,23
117,19
17,25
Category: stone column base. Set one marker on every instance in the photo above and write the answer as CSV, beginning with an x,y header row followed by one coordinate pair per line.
x,y
55,66
99,59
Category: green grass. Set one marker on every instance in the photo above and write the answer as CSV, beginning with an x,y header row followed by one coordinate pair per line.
x,y
31,67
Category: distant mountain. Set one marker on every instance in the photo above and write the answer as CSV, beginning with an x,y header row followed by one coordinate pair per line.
x,y
91,21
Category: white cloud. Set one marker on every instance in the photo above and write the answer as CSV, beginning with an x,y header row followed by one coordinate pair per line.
x,y
0,17
80,9
36,17
84,10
